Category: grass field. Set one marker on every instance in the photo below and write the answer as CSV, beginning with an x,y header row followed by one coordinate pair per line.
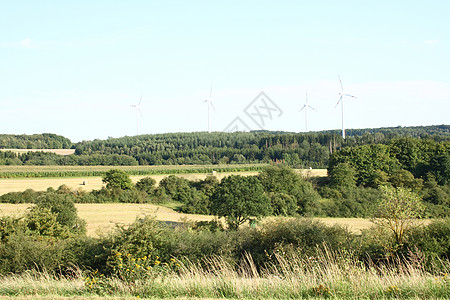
x,y
102,217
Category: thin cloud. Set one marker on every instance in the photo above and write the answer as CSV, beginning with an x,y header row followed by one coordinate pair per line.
x,y
431,42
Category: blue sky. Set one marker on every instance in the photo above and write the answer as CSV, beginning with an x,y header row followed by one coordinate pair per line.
x,y
75,67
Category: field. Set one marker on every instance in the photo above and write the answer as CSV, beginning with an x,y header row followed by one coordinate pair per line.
x,y
56,151
102,217
39,178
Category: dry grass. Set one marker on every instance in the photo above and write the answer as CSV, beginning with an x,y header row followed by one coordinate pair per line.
x,y
102,217
94,183
91,183
57,151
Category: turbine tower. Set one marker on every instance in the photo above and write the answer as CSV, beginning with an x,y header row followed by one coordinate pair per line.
x,y
305,107
341,100
138,111
209,103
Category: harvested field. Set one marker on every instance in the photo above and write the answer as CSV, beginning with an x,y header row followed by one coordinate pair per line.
x,y
56,151
95,182
102,217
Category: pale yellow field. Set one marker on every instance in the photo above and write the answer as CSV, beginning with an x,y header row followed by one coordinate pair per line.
x,y
57,151
102,217
94,183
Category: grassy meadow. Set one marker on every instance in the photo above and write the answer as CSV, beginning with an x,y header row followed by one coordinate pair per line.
x,y
329,275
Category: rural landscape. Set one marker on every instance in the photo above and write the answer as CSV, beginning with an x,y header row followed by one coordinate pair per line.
x,y
225,149
255,215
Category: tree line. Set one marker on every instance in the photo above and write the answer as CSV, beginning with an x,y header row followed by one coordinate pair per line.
x,y
302,150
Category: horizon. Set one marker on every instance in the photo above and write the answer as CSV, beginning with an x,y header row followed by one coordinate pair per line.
x,y
78,77
338,131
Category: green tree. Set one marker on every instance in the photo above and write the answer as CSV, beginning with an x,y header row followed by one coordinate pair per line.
x,y
238,199
284,180
342,176
398,210
116,178
146,184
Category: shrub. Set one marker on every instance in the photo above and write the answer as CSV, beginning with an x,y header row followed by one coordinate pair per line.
x,y
64,209
146,184
304,234
144,237
433,240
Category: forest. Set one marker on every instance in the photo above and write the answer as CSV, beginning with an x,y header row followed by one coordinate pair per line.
x,y
299,150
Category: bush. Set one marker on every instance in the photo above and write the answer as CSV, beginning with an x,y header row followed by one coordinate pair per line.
x,y
304,234
23,252
63,207
286,181
433,240
144,237
146,184
27,196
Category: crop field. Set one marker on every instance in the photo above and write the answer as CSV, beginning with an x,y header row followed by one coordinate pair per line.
x,y
89,171
56,151
39,178
102,217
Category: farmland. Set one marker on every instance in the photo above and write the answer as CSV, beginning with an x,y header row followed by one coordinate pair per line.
x,y
102,217
39,178
90,171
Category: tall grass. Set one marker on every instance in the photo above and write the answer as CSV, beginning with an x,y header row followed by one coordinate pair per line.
x,y
327,275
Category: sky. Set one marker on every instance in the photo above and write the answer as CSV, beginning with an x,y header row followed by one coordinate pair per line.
x,y
74,68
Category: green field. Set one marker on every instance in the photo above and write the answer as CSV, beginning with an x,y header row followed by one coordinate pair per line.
x,y
89,171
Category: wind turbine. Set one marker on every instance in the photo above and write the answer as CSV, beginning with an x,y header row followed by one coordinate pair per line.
x,y
210,103
138,111
341,100
305,107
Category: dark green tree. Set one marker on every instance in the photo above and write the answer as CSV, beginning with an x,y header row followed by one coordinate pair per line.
x,y
146,184
239,199
284,180
116,178
343,175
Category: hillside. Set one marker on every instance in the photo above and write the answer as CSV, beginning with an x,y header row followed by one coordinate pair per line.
x,y
302,150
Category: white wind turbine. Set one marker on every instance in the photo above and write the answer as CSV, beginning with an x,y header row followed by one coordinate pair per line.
x,y
341,100
305,107
138,111
210,103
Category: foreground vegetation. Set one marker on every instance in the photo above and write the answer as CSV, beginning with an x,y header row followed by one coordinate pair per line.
x,y
328,275
282,259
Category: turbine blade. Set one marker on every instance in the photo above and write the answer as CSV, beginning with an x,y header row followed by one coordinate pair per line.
x,y
303,107
212,105
312,108
340,99
140,101
340,81
210,92
350,96
140,112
